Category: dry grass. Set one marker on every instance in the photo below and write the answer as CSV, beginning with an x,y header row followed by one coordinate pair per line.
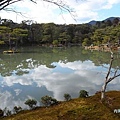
x,y
90,108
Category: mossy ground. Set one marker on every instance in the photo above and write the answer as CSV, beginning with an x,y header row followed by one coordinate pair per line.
x,y
90,108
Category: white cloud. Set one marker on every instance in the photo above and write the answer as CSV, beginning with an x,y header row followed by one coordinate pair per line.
x,y
43,12
17,91
7,100
78,65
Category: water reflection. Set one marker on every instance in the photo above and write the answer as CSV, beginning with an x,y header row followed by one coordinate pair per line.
x,y
39,74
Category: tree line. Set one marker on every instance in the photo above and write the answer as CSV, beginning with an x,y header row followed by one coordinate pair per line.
x,y
29,32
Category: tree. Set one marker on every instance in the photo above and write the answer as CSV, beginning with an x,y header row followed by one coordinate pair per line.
x,y
5,34
67,97
86,42
115,21
48,100
35,32
12,36
98,23
47,33
108,23
83,93
111,75
64,38
31,103
18,35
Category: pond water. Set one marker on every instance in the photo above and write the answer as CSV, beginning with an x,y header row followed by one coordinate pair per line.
x,y
40,71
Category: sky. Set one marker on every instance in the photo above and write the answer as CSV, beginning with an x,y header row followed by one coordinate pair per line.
x,y
44,12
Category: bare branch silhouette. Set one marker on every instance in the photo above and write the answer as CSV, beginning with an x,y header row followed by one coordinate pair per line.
x,y
60,3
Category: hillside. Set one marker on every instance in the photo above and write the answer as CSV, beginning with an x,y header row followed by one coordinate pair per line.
x,y
89,108
93,22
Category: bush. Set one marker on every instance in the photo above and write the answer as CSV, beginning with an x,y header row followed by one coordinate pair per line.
x,y
7,112
83,94
48,100
67,97
1,113
55,42
2,42
31,103
17,109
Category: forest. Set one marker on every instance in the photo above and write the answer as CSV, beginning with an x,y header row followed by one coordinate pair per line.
x,y
29,32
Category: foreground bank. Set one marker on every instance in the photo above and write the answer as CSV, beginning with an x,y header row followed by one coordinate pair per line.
x,y
90,108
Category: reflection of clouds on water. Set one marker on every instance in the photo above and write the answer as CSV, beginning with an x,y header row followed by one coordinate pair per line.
x,y
78,65
81,78
11,80
17,91
7,100
79,75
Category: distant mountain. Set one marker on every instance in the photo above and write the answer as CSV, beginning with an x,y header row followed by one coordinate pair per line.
x,y
111,18
93,22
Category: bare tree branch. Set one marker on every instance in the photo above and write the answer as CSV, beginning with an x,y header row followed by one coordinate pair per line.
x,y
110,79
15,11
60,3
5,3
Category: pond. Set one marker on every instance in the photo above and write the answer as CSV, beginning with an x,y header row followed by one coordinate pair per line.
x,y
40,71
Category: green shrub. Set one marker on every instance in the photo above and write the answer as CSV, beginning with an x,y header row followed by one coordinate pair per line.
x,y
83,94
67,97
17,109
55,42
1,113
48,100
31,103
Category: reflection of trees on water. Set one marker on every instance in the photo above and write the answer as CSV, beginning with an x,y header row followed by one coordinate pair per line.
x,y
15,64
99,57
6,66
31,58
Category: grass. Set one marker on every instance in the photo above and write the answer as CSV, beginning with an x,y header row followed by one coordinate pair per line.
x,y
90,108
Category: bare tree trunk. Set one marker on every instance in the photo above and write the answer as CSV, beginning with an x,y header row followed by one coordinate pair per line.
x,y
108,78
103,91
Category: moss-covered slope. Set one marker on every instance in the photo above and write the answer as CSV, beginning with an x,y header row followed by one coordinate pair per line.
x,y
90,108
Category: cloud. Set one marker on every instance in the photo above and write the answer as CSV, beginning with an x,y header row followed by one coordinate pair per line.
x,y
17,91
23,80
7,100
44,12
